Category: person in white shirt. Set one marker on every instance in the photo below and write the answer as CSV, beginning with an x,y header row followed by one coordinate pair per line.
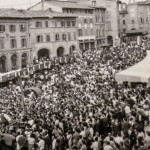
x,y
41,144
95,145
108,147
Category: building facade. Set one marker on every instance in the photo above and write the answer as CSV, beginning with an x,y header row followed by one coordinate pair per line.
x,y
25,35
14,41
134,17
53,36
90,20
111,20
109,16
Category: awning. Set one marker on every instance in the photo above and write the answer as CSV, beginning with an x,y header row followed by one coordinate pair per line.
x,y
137,73
136,32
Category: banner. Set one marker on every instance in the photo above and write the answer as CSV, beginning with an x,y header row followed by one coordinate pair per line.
x,y
30,70
41,66
61,60
11,76
36,67
4,78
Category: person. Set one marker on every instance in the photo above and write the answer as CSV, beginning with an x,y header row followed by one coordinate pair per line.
x,y
31,141
107,146
95,145
83,147
79,102
41,144
21,140
147,139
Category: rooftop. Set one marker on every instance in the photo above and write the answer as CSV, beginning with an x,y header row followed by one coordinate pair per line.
x,y
14,13
68,4
147,2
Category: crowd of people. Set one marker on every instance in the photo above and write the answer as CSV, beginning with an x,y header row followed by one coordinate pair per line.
x,y
81,107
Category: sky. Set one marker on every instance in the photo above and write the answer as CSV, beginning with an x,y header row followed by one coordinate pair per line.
x,y
22,4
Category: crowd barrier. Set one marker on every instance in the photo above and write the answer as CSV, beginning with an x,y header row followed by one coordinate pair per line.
x,y
36,67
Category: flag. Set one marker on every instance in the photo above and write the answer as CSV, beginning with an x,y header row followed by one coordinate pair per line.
x,y
45,64
41,66
49,64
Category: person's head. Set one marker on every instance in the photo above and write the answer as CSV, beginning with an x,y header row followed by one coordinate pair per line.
x,y
83,142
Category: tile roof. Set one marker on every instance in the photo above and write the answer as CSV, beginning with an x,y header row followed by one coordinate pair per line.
x,y
12,13
27,14
147,2
68,4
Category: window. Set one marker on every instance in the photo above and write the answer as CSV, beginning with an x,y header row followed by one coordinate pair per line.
x,y
103,32
73,23
47,38
13,43
38,24
39,39
91,31
69,37
86,32
46,24
109,26
79,32
75,36
68,23
12,28
55,23
93,3
57,38
142,20
62,23
146,20
124,30
102,18
22,28
91,20
132,21
64,37
123,16
1,43
2,28
23,42
124,22
85,21
96,18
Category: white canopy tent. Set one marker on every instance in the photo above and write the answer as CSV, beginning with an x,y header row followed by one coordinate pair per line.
x,y
140,72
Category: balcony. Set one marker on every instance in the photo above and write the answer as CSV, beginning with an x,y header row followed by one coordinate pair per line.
x,y
86,37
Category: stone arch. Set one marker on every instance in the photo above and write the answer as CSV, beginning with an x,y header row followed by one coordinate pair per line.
x,y
60,51
24,60
2,64
72,49
110,40
14,61
43,53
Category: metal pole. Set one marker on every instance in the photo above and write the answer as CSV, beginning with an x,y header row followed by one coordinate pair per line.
x,y
22,94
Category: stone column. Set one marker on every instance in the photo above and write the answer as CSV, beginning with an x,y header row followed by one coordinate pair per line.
x,y
8,62
19,62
